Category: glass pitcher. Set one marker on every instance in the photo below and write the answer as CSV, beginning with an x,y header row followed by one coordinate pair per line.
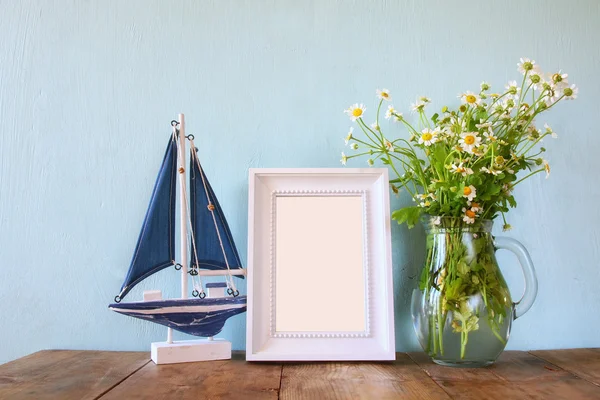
x,y
462,310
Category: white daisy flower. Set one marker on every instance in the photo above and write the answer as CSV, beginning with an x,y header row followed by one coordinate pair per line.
x,y
390,112
550,99
506,227
428,137
536,80
470,98
425,203
513,89
491,171
374,126
384,94
344,159
470,192
355,111
489,135
425,99
483,125
469,141
398,117
550,131
354,146
525,65
370,162
469,216
349,135
389,146
507,189
418,106
419,196
546,167
475,207
570,92
484,86
459,169
560,79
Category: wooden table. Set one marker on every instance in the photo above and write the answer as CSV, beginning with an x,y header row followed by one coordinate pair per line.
x,y
61,374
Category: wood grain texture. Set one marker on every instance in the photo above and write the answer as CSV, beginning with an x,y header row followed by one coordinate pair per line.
x,y
227,379
351,380
62,374
584,363
514,375
65,374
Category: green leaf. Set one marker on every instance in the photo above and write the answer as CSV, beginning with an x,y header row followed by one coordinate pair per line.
x,y
410,215
512,201
462,268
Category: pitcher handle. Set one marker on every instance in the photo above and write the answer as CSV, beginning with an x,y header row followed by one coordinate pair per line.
x,y
531,284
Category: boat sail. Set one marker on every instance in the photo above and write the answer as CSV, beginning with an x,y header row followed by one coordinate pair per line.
x,y
205,235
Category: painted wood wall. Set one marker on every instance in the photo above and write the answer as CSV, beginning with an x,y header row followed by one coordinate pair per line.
x,y
87,90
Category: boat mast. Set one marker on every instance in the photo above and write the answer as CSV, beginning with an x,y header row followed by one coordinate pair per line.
x,y
183,207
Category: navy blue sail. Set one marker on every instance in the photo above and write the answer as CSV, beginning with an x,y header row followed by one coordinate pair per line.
x,y
155,248
208,249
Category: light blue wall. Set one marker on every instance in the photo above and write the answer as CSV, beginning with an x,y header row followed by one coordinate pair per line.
x,y
87,90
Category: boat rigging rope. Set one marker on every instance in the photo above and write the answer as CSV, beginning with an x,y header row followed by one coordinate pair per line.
x,y
196,279
211,208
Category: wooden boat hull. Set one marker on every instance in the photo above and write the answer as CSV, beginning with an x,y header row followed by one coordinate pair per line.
x,y
198,317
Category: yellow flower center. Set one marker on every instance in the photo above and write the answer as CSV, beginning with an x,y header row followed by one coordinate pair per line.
x,y
471,99
557,78
426,136
357,112
467,191
500,160
476,205
470,139
384,94
460,169
470,214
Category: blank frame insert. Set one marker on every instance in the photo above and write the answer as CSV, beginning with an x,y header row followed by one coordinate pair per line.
x,y
319,264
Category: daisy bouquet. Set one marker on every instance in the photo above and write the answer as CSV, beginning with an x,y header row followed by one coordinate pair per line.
x,y
460,167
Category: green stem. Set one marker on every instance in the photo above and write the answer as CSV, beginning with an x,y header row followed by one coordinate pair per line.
x,y
463,344
527,176
495,332
440,326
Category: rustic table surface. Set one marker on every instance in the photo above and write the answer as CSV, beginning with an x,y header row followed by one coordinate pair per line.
x,y
61,374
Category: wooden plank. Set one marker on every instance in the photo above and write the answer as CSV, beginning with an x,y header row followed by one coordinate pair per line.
x,y
584,363
354,380
515,375
520,366
540,379
227,379
66,374
440,373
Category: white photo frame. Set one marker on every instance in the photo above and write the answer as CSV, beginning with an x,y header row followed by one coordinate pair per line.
x,y
319,265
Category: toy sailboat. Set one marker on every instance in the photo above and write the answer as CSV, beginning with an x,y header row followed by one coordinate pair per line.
x,y
206,237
